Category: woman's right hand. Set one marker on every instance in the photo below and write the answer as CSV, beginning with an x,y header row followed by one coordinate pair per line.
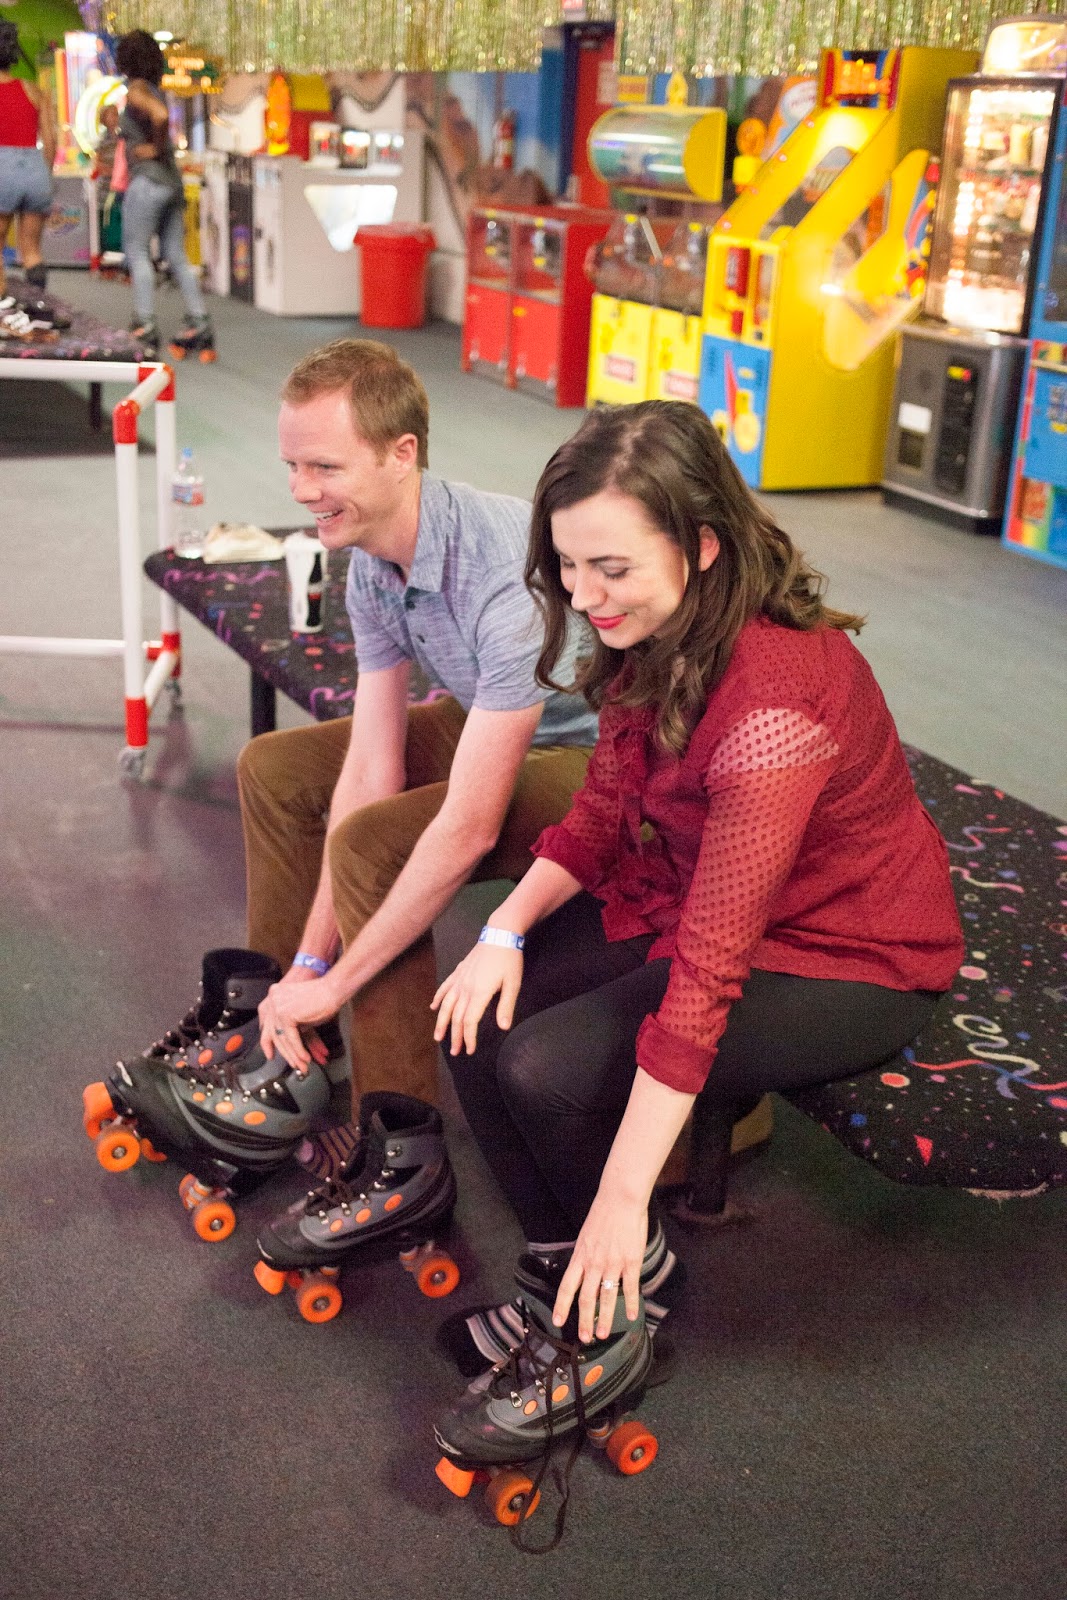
x,y
461,1000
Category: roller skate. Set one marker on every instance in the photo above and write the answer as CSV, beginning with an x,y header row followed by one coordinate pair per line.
x,y
197,339
206,1095
146,334
396,1190
503,1429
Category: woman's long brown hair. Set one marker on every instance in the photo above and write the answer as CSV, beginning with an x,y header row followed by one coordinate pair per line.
x,y
667,456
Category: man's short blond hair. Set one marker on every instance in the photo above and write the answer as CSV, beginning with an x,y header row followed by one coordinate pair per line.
x,y
386,395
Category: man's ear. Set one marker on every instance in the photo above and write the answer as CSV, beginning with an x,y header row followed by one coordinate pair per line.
x,y
405,451
709,547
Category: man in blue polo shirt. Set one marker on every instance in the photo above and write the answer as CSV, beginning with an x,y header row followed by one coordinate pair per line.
x,y
358,833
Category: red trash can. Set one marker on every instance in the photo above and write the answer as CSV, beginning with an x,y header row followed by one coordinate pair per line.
x,y
395,257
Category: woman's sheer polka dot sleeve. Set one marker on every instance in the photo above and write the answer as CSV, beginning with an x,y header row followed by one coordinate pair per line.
x,y
586,842
763,779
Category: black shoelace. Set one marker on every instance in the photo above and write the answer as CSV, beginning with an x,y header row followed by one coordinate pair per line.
x,y
513,1374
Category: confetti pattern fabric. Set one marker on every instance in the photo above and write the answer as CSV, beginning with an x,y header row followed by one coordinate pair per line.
x,y
87,339
980,1102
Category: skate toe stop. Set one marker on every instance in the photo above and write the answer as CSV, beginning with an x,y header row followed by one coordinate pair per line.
x,y
454,1478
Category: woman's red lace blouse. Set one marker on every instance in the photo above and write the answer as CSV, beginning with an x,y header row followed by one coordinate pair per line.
x,y
788,837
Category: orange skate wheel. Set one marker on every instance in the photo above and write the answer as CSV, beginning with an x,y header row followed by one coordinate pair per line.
x,y
437,1276
269,1278
97,1108
191,1191
456,1479
208,355
214,1220
149,1151
176,352
318,1299
505,1494
632,1448
118,1149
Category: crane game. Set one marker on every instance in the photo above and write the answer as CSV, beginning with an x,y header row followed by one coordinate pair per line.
x,y
815,266
649,271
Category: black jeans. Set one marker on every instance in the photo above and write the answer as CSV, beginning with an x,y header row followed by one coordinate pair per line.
x,y
544,1100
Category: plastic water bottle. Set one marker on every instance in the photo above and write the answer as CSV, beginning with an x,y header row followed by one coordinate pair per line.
x,y
187,493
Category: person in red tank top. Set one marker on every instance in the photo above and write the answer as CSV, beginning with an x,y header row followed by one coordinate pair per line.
x,y
745,895
25,170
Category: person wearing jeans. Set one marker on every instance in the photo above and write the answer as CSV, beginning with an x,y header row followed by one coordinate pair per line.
x,y
154,206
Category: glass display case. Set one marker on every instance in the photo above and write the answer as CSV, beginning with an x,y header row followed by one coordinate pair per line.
x,y
996,145
685,263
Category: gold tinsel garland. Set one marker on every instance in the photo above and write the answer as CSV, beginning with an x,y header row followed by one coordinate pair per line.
x,y
705,37
360,35
763,37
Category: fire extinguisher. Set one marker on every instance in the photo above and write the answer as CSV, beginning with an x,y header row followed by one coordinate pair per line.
x,y
504,141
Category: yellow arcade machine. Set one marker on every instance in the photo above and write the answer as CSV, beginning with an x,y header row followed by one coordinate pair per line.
x,y
662,158
815,266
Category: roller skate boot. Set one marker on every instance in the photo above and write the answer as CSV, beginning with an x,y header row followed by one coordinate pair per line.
x,y
146,335
197,339
205,1094
503,1429
393,1194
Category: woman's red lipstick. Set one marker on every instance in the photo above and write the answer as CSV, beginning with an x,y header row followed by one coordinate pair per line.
x,y
607,622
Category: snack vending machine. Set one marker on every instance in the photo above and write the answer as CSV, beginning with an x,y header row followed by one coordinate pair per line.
x,y
961,365
1035,521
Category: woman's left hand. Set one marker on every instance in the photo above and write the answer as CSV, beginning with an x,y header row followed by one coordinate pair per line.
x,y
606,1258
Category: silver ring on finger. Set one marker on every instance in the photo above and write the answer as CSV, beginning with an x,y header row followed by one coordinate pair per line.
x,y
609,1283
280,1032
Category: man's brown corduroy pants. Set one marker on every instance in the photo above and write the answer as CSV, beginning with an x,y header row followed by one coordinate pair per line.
x,y
286,781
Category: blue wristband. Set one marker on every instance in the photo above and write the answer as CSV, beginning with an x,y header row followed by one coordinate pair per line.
x,y
314,963
501,937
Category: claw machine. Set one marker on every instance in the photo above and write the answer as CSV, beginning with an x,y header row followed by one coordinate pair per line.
x,y
961,365
1035,521
816,265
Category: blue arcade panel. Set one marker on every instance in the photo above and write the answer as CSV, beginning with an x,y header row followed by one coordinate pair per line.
x,y
1035,522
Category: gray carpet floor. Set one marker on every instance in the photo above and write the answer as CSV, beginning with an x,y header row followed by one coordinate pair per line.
x,y
870,1398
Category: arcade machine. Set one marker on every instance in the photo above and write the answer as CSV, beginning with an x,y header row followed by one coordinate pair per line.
x,y
664,159
961,366
814,267
306,211
71,232
1035,522
526,317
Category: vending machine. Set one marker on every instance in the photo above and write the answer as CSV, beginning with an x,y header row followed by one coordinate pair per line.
x,y
816,265
1035,521
961,364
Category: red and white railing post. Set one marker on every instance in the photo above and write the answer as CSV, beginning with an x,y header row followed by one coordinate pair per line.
x,y
155,385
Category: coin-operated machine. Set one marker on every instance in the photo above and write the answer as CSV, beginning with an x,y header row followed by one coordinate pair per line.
x,y
815,266
961,364
658,162
1035,520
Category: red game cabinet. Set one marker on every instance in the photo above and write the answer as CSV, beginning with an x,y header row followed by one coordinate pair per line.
x,y
545,347
487,317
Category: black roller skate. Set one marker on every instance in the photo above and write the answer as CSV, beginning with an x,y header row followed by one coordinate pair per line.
x,y
550,1388
395,1191
205,1094
197,339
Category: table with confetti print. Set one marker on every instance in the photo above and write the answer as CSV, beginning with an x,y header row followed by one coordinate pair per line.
x,y
245,605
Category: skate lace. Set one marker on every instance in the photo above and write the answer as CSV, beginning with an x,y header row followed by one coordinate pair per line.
x,y
526,1364
224,1074
336,1191
185,1033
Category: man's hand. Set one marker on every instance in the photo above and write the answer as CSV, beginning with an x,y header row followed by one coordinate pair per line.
x,y
295,1004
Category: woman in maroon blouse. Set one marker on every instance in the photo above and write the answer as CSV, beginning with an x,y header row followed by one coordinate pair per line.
x,y
746,894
